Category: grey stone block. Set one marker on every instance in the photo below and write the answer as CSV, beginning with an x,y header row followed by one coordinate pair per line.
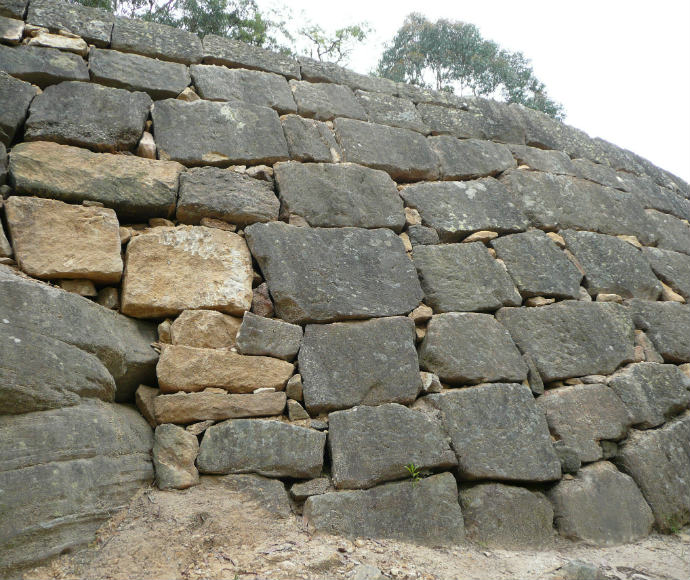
x,y
670,232
390,110
326,101
92,24
470,158
598,173
652,196
463,124
11,30
672,268
268,337
310,140
16,97
236,54
13,8
666,324
499,121
326,72
555,162
269,494
156,40
422,235
42,66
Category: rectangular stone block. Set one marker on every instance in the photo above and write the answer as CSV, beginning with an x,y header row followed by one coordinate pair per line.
x,y
470,158
666,324
11,30
273,337
389,110
205,329
92,24
555,162
16,97
325,101
463,124
670,232
327,72
310,140
156,40
42,66
13,8
236,54
672,268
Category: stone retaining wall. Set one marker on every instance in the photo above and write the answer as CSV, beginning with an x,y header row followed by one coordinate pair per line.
x,y
430,317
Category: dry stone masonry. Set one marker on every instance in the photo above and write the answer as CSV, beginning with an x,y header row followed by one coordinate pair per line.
x,y
426,317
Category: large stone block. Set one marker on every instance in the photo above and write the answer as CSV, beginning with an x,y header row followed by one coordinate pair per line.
x,y
92,24
572,339
672,268
463,277
16,97
497,432
219,83
470,348
598,173
323,275
402,153
425,513
206,133
174,269
226,195
136,188
555,162
236,54
42,66
205,329
269,448
390,110
156,40
160,79
671,233
310,140
316,71
371,445
54,240
269,494
337,195
325,101
88,115
666,324
174,453
457,209
470,158
652,196
13,8
444,120
259,335
359,363
601,506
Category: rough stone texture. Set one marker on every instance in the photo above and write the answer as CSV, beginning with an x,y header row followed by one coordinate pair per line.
x,y
463,277
612,265
92,24
134,187
11,30
269,494
497,432
174,452
156,40
672,268
443,120
666,325
13,8
122,344
602,174
235,54
572,339
205,329
144,398
555,162
537,266
602,506
457,209
326,72
269,448
507,517
268,336
322,275
659,462
425,513
88,115
325,101
470,348
16,96
671,233
380,367
652,393
74,467
54,240
422,235
42,66
173,269
66,43
390,110
470,158
337,195
160,79
219,83
209,133
371,445
184,408
3,173
583,415
310,140
301,491
226,195
402,153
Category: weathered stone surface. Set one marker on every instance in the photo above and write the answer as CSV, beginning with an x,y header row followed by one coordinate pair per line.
x,y
425,513
602,174
184,408
160,79
13,8
337,195
92,24
156,40
189,369
422,235
122,344
672,268
555,162
295,411
301,491
652,393
497,432
269,494
390,110
11,30
457,209
671,233
470,158
569,458
209,133
463,277
143,398
219,83
54,240
205,329
505,516
310,140
74,467
470,348
66,43
583,415
666,324
174,452
268,336
174,269
327,72
42,66
135,188
16,96
659,462
269,448
325,101
236,54
3,177
226,195
88,115
572,339
651,196
371,445
463,124
402,153
322,275
381,365
602,506
537,266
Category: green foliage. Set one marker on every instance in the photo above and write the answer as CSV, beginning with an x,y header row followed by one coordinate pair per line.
x,y
334,47
414,472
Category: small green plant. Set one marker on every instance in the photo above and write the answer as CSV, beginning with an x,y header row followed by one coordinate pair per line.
x,y
414,472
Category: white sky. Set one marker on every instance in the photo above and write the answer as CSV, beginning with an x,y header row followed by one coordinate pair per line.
x,y
621,68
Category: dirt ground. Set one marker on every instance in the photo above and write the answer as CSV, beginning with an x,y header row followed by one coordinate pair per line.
x,y
211,532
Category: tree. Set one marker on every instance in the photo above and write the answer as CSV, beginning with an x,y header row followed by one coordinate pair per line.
x,y
334,47
449,55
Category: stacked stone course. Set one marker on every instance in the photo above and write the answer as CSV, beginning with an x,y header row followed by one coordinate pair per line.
x,y
331,280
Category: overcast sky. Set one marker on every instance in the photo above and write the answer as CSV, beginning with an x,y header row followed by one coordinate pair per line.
x,y
621,68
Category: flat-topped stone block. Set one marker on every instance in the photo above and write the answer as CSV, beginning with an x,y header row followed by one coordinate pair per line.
x,y
236,54
327,72
325,101
671,233
205,329
555,162
672,268
310,140
16,96
666,324
470,158
598,173
92,24
11,30
259,335
389,110
42,66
